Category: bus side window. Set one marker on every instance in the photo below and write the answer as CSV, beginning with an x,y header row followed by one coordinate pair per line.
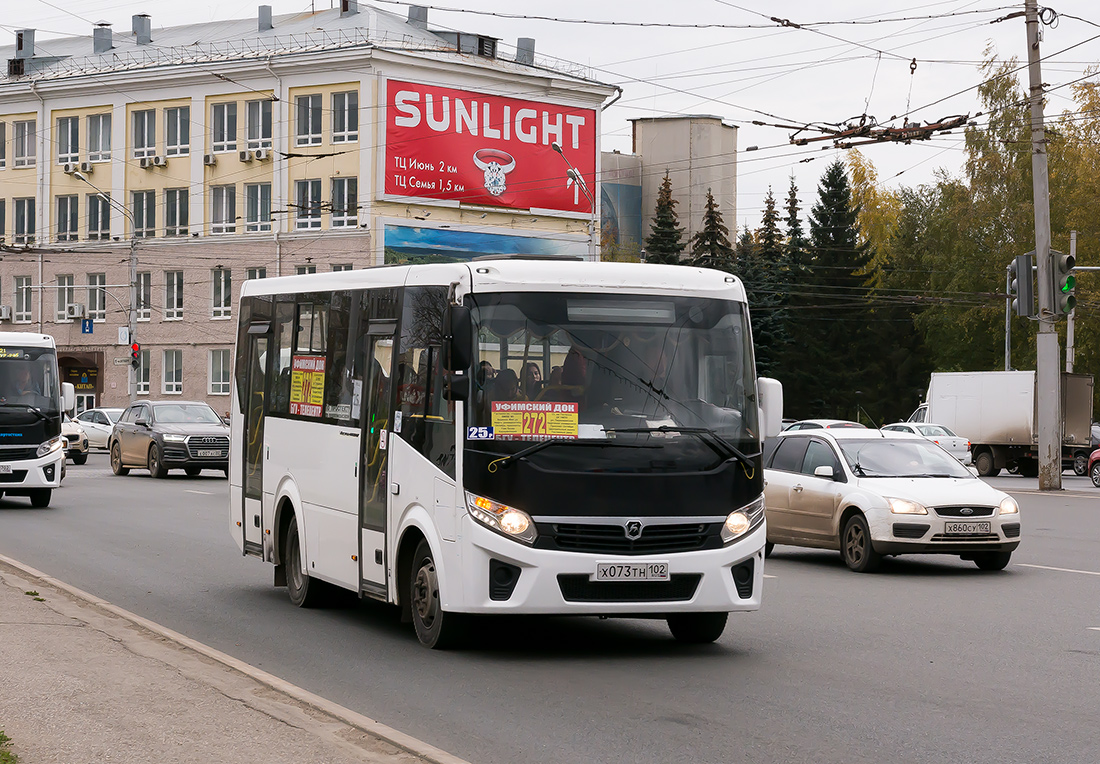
x,y
338,383
285,332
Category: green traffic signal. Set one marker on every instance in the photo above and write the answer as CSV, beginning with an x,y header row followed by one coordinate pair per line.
x,y
1069,284
1064,282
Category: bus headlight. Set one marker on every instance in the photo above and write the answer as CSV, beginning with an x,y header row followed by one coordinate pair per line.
x,y
509,521
741,521
50,446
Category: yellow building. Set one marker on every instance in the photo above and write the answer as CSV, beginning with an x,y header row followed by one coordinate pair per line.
x,y
212,153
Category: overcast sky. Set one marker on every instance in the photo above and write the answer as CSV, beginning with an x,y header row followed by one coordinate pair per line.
x,y
823,73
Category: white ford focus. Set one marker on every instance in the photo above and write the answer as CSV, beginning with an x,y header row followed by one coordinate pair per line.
x,y
870,493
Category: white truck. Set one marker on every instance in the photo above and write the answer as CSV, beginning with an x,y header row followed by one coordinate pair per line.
x,y
996,412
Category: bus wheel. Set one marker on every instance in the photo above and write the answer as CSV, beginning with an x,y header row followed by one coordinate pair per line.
x,y
697,628
40,497
435,628
768,547
304,590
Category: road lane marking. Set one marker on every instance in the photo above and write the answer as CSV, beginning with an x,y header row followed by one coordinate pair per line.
x,y
203,493
1060,570
1093,628
767,576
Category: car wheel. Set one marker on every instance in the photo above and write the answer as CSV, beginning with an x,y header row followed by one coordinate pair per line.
x,y
1094,473
80,459
304,590
992,560
435,627
697,628
116,460
855,546
40,497
768,547
156,462
984,464
1080,464
192,471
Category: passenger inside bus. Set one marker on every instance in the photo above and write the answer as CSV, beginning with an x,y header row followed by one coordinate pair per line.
x,y
532,380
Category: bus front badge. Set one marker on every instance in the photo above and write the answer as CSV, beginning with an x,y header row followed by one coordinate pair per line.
x,y
634,530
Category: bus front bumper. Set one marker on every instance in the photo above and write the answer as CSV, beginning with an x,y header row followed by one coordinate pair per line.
x,y
22,475
505,576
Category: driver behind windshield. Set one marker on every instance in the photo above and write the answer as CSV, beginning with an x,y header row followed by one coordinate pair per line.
x,y
20,382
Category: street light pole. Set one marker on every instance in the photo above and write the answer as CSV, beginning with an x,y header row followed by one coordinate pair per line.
x,y
132,318
575,176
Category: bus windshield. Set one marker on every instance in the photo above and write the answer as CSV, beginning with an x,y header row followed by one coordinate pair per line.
x,y
648,372
28,379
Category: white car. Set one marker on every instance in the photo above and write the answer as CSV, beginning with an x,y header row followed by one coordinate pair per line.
x,y
97,423
869,493
938,434
76,441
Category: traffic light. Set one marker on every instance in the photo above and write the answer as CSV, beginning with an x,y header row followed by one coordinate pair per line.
x,y
1065,283
135,355
1021,288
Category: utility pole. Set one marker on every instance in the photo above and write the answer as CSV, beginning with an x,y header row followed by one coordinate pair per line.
x,y
1048,376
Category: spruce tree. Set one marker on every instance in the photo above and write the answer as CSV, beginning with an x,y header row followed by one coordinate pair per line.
x,y
710,247
797,246
664,244
764,276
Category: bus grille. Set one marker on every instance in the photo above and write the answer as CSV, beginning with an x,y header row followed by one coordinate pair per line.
x,y
15,476
611,539
576,587
18,454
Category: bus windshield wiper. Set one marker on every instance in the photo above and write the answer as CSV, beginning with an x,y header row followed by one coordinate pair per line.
x,y
523,453
720,445
37,412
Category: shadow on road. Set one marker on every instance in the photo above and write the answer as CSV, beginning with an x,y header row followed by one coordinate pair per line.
x,y
925,566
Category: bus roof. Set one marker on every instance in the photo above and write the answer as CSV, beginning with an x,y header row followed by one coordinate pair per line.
x,y
519,275
27,339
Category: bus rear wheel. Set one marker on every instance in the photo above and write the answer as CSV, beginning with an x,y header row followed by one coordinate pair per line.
x,y
304,590
435,628
697,628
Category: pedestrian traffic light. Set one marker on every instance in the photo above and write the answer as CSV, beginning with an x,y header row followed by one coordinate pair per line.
x,y
135,355
1021,288
1065,283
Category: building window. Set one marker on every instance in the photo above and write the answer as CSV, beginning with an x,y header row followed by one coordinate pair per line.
x,y
142,373
145,133
173,372
99,138
222,295
257,273
173,295
99,217
23,297
301,270
175,212
257,214
66,296
308,209
145,214
24,221
144,295
219,372
342,267
67,218
258,124
345,117
3,154
223,217
25,153
177,131
309,120
225,127
97,296
68,140
345,203
3,221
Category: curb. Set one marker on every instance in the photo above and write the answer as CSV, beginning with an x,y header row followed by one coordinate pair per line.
x,y
363,723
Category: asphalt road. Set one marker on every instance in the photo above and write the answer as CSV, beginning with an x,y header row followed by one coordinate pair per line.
x,y
930,660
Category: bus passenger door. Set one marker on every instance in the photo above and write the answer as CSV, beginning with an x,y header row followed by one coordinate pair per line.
x,y
374,402
252,452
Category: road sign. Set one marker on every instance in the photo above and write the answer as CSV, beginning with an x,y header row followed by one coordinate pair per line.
x,y
86,325
122,361
123,335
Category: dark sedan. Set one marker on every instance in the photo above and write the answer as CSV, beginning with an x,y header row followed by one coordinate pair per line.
x,y
164,435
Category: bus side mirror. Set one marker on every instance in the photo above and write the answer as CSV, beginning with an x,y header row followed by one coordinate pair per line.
x,y
68,397
458,338
456,387
770,394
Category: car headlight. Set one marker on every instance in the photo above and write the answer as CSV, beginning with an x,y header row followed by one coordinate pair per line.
x,y
741,521
1008,507
509,521
56,444
906,507
169,437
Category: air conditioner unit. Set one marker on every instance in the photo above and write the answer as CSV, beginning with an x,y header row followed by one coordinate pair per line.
x,y
87,167
160,161
70,167
76,310
5,313
261,154
209,159
145,163
246,156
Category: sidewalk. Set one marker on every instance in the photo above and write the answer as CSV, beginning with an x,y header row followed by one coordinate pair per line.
x,y
81,682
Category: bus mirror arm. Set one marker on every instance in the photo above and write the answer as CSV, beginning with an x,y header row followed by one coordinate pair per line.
x,y
458,338
457,387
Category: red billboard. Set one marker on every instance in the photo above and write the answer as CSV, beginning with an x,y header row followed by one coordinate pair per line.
x,y
443,143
